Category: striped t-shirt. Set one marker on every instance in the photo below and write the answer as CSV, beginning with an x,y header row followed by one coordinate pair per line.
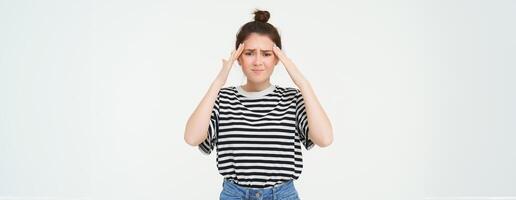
x,y
258,135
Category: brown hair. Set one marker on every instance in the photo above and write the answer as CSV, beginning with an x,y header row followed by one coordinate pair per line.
x,y
260,26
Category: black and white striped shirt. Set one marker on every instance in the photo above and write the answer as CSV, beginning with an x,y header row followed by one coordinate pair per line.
x,y
258,135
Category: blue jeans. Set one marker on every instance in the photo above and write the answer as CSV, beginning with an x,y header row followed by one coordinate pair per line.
x,y
283,191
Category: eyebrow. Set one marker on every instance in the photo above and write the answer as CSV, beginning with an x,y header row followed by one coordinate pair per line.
x,y
255,50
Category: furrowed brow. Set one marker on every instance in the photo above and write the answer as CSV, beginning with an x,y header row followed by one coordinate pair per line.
x,y
253,50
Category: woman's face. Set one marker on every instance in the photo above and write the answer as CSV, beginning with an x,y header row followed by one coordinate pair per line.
x,y
258,59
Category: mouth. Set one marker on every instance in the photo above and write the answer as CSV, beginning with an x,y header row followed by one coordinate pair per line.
x,y
257,71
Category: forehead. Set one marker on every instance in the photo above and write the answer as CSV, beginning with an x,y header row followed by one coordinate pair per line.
x,y
258,41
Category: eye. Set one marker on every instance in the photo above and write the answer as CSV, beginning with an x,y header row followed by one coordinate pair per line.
x,y
267,54
248,53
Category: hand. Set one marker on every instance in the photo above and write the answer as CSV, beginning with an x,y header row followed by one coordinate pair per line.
x,y
227,64
291,68
281,56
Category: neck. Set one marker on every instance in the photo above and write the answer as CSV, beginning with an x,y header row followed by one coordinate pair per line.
x,y
256,87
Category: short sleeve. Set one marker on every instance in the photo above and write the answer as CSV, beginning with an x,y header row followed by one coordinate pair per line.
x,y
213,128
302,121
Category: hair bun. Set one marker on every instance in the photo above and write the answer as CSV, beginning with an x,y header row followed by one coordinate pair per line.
x,y
261,16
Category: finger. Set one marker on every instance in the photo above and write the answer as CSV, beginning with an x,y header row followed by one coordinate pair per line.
x,y
231,55
241,48
277,51
276,48
239,51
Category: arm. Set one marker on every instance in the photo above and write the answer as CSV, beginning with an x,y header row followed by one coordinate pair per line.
x,y
197,125
320,131
196,130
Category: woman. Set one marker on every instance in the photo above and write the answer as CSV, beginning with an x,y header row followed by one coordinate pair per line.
x,y
258,128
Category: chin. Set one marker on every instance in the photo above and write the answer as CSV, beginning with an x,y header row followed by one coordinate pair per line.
x,y
256,80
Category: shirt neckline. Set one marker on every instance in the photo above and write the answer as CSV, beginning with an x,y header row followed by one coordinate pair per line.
x,y
257,94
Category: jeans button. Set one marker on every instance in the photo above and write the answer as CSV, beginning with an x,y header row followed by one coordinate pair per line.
x,y
257,195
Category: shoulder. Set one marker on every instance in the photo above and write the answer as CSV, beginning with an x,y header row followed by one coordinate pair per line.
x,y
228,92
227,89
288,91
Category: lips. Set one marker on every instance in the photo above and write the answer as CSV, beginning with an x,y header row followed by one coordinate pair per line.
x,y
257,71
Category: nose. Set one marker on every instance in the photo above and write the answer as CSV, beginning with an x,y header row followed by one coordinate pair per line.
x,y
257,60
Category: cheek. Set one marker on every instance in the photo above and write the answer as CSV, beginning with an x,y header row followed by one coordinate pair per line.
x,y
270,61
245,60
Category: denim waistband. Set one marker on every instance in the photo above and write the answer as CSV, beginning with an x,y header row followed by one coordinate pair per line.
x,y
285,188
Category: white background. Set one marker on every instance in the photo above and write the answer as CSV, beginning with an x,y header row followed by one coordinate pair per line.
x,y
94,96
